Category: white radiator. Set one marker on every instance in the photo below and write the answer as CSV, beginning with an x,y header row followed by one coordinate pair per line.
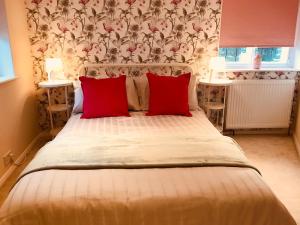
x,y
259,104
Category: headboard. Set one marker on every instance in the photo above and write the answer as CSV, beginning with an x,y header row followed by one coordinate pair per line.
x,y
134,70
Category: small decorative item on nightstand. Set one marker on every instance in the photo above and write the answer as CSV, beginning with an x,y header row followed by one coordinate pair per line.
x,y
257,62
216,104
52,108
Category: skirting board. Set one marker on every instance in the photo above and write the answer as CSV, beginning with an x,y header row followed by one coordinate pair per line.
x,y
297,144
257,131
11,169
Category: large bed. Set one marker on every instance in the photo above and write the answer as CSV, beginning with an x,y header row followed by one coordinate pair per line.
x,y
142,170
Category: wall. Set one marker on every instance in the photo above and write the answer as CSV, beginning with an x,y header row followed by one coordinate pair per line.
x,y
121,31
18,114
297,65
297,127
129,31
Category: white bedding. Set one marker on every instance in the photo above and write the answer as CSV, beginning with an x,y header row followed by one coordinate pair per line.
x,y
139,124
214,195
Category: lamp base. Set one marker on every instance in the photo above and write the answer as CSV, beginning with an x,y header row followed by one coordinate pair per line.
x,y
210,75
49,75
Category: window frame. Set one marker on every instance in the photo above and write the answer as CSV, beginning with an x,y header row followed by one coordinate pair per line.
x,y
9,52
264,65
5,37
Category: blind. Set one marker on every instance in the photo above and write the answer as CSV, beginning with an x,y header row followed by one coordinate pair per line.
x,y
258,23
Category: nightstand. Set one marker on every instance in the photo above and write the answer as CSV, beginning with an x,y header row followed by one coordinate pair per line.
x,y
54,108
215,104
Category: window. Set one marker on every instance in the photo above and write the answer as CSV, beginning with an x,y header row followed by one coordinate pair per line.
x,y
6,62
243,57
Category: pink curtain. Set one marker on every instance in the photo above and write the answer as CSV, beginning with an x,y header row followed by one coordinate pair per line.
x,y
258,23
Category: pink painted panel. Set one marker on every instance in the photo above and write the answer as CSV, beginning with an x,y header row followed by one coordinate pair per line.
x,y
258,23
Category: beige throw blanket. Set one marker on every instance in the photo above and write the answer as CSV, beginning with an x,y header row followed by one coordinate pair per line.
x,y
146,152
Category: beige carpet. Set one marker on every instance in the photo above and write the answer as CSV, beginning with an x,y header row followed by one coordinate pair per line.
x,y
10,182
274,155
277,159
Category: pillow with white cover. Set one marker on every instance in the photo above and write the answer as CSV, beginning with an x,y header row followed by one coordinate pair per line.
x,y
143,92
132,97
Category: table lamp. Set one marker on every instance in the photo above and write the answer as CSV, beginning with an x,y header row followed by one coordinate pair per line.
x,y
216,64
53,65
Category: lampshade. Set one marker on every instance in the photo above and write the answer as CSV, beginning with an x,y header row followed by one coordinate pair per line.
x,y
53,65
217,63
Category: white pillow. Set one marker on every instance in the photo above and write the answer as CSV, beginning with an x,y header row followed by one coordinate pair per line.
x,y
78,100
143,92
132,97
193,98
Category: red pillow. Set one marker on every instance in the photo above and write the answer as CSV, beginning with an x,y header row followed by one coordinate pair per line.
x,y
104,97
169,95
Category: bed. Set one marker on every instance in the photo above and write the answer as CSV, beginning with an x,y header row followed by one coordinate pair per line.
x,y
142,170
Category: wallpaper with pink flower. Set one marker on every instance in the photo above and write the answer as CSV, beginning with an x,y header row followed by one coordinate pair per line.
x,y
125,31
122,31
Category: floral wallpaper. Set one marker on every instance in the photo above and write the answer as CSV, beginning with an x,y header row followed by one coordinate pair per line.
x,y
268,75
121,31
126,31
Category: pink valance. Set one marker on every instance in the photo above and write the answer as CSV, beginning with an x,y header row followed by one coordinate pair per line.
x,y
258,23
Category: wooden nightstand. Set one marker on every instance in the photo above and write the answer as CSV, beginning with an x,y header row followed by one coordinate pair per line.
x,y
219,103
54,108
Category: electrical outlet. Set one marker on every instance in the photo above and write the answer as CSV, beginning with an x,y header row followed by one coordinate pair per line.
x,y
7,159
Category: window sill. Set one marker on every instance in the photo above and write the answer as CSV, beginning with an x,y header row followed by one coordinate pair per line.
x,y
261,70
4,80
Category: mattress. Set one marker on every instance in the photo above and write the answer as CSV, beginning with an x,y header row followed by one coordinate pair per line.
x,y
213,195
